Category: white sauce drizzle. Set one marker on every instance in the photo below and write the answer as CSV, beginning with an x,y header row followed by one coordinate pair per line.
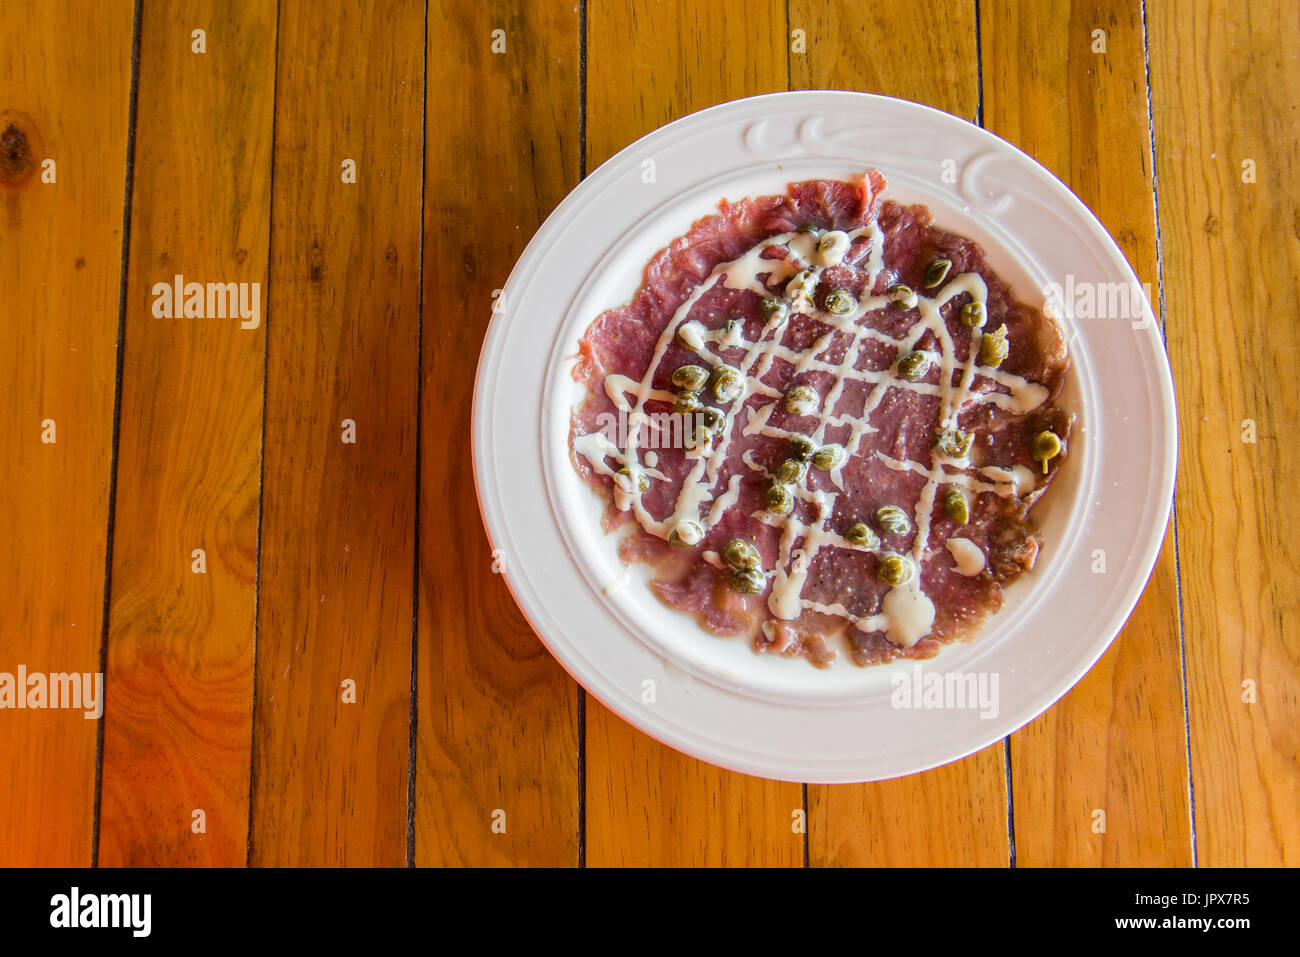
x,y
907,613
967,555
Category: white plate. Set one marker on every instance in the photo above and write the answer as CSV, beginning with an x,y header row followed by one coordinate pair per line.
x,y
714,698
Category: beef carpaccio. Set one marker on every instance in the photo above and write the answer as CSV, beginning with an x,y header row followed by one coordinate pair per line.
x,y
823,420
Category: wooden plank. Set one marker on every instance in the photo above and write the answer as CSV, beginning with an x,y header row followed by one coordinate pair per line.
x,y
651,806
338,522
497,717
1076,100
854,46
648,804
1226,90
65,83
954,815
178,730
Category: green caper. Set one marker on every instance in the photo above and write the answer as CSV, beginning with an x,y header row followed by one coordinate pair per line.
x,y
860,533
686,402
893,520
829,457
780,499
800,282
739,553
727,383
828,240
642,481
903,297
774,310
711,419
954,443
840,301
686,534
791,472
696,435
1044,447
800,400
691,335
974,314
936,272
748,581
693,378
801,448
993,347
957,506
894,569
914,365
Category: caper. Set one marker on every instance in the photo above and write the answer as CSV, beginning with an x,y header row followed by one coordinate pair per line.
x,y
954,443
860,533
800,288
696,436
1044,447
642,482
829,457
774,310
712,419
974,314
957,506
686,534
894,569
780,499
893,520
748,581
791,472
739,553
731,333
691,335
840,301
693,378
903,297
936,272
686,402
828,240
801,448
727,383
703,426
993,347
914,365
800,400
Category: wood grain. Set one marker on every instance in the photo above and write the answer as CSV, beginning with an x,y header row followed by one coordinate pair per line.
x,y
497,717
648,804
954,815
65,78
338,518
178,730
188,655
853,46
1225,86
1116,742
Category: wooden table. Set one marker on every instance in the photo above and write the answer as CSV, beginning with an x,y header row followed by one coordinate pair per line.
x,y
265,532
